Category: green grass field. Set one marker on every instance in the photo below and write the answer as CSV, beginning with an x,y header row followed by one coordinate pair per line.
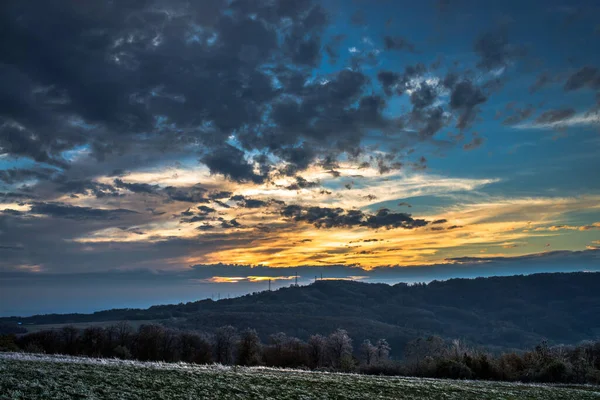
x,y
24,376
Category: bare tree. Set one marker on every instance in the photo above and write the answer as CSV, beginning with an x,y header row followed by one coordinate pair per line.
x,y
383,351
69,335
195,348
368,352
249,348
123,331
225,340
149,342
93,341
317,347
418,350
339,347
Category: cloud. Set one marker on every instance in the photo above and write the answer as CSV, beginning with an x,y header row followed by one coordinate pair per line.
x,y
398,43
193,194
86,187
59,210
542,81
140,90
554,116
474,144
302,183
230,162
466,267
495,51
191,127
251,278
559,119
585,77
136,187
323,217
519,115
18,175
465,98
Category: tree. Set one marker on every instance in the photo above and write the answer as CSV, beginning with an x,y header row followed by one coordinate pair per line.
x,y
93,341
368,352
225,340
195,348
383,351
249,348
122,332
317,347
69,335
286,351
339,347
149,342
418,350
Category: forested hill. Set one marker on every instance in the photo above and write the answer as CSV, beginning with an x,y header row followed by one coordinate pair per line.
x,y
516,311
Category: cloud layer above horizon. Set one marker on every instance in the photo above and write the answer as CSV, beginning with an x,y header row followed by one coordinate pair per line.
x,y
162,135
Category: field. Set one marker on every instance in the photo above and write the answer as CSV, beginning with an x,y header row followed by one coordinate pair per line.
x,y
30,376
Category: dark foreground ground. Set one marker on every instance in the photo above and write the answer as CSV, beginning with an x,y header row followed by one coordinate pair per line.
x,y
27,376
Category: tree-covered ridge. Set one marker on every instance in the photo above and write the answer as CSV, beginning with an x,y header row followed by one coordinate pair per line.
x,y
508,312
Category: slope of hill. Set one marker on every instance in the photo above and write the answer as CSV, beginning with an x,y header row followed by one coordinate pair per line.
x,y
509,312
47,377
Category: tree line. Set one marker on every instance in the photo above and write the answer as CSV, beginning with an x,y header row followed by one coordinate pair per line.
x,y
430,356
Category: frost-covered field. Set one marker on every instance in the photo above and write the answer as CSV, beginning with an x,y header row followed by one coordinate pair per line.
x,y
30,376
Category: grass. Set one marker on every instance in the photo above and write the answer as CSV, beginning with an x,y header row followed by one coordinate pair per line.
x,y
26,376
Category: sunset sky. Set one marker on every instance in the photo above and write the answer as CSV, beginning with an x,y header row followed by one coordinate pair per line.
x,y
147,146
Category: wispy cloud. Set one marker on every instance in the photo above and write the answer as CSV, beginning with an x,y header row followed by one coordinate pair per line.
x,y
582,119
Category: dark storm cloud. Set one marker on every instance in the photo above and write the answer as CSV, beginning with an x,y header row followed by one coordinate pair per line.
x,y
302,183
112,74
325,217
585,77
332,48
398,43
16,175
86,187
428,122
220,195
393,82
136,187
252,203
16,196
49,242
388,80
424,96
465,98
428,115
193,194
61,210
229,161
552,116
230,224
495,51
119,77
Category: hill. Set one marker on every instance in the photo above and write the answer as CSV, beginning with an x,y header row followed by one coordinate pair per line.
x,y
502,312
46,377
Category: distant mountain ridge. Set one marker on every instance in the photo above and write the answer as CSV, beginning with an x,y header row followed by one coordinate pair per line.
x,y
504,312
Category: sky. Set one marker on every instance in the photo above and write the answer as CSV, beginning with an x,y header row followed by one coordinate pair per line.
x,y
167,151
